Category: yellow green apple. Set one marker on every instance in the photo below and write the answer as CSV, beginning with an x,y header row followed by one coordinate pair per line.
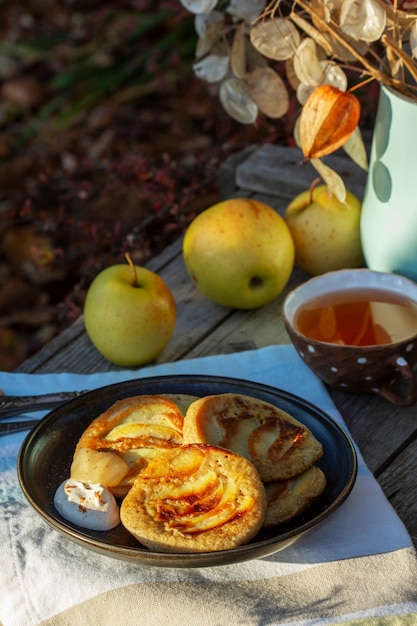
x,y
129,314
239,253
326,232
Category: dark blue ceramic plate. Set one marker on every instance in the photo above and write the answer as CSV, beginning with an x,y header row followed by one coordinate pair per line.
x,y
45,458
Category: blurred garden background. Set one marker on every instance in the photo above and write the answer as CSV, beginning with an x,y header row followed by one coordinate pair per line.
x,y
108,144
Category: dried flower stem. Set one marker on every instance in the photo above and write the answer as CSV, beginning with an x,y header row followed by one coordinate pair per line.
x,y
389,43
377,74
361,84
392,12
311,32
392,48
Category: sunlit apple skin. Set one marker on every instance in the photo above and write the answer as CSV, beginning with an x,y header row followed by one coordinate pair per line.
x,y
326,232
130,325
239,253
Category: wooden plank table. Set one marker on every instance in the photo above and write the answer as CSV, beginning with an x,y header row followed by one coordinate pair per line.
x,y
385,434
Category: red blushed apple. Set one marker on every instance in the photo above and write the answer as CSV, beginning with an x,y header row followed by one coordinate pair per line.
x,y
129,314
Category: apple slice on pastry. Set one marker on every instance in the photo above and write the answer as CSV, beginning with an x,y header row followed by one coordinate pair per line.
x,y
195,498
277,444
126,437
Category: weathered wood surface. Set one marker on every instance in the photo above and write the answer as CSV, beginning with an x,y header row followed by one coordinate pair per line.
x,y
386,435
279,171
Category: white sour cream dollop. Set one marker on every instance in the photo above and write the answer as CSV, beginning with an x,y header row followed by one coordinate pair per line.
x,y
88,505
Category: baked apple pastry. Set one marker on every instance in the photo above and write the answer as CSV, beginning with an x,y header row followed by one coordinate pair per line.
x,y
286,499
195,498
120,442
277,444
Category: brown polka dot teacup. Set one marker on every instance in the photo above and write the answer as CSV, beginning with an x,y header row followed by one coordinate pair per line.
x,y
357,331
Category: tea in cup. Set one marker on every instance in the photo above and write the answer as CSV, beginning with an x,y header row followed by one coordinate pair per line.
x,y
357,330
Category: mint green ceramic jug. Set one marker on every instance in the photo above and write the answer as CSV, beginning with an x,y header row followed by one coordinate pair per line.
x,y
389,210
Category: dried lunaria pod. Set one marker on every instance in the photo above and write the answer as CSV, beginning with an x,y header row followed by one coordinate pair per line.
x,y
199,6
311,72
212,68
246,10
312,33
237,102
292,77
238,52
327,120
364,20
268,91
277,38
307,63
208,27
303,92
334,75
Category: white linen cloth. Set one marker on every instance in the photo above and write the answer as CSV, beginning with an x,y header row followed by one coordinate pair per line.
x,y
362,553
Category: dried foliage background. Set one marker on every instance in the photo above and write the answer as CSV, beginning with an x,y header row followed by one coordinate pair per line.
x,y
108,144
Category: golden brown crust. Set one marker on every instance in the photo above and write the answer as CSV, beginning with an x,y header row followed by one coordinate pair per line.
x,y
137,429
195,498
289,498
277,444
237,445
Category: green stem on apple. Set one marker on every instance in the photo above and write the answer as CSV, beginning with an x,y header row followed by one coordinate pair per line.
x,y
133,268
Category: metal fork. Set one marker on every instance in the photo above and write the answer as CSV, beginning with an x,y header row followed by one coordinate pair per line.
x,y
17,405
6,428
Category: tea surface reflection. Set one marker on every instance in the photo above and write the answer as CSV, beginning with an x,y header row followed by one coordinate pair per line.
x,y
359,317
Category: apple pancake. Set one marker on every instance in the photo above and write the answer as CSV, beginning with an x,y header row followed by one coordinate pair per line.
x,y
277,444
287,499
120,442
195,498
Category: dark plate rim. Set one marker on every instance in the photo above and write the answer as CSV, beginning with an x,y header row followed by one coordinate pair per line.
x,y
181,384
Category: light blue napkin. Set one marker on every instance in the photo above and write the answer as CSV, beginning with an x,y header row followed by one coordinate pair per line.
x,y
32,553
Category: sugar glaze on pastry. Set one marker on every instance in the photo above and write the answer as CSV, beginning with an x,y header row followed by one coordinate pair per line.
x,y
127,436
195,498
277,444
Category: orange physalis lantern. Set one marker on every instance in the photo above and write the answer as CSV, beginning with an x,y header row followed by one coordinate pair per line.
x,y
328,119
